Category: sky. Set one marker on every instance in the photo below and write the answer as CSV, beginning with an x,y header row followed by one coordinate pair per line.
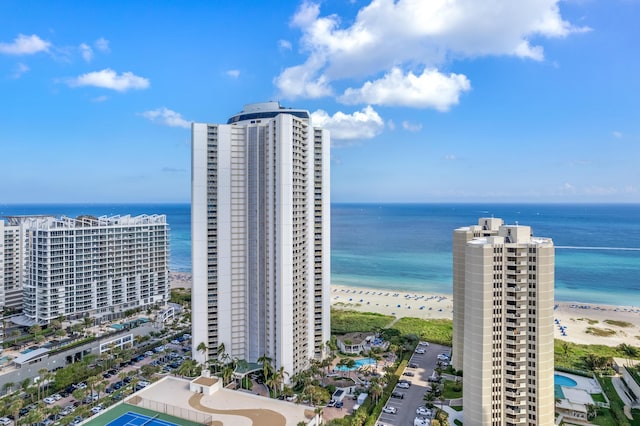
x,y
426,100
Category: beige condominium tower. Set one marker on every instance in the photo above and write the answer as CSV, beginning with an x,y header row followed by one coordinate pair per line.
x,y
260,237
503,280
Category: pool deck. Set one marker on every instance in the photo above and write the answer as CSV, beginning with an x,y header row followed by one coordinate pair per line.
x,y
588,384
228,407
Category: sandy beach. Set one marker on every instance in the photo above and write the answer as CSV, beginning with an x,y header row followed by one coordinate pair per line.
x,y
577,322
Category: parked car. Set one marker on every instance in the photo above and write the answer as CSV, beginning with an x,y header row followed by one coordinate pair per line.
x,y
420,351
49,400
399,395
404,385
389,410
339,404
423,411
5,421
423,343
408,373
331,403
443,357
413,365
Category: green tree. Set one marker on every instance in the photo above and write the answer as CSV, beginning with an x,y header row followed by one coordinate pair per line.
x,y
267,368
15,407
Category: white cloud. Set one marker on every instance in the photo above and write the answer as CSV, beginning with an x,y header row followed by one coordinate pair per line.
x,y
19,70
167,117
109,79
431,89
284,45
102,45
233,73
415,34
86,51
303,81
100,98
450,157
412,127
25,45
364,124
391,125
616,134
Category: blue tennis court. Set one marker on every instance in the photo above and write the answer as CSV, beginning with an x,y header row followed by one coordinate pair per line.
x,y
136,419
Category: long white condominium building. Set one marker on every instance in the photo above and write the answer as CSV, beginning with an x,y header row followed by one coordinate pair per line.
x,y
503,323
94,266
11,270
260,234
12,256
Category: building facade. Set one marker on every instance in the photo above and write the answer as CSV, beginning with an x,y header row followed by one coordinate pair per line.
x,y
503,323
260,237
98,267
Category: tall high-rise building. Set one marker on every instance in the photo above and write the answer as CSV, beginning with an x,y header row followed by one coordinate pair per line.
x,y
93,266
503,323
260,218
12,258
11,269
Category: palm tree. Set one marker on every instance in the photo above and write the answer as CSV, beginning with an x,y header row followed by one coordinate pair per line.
x,y
351,363
134,383
278,378
227,372
101,386
91,382
318,412
7,387
266,365
41,381
15,407
202,347
376,389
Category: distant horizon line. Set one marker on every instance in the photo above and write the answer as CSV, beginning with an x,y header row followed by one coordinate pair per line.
x,y
133,203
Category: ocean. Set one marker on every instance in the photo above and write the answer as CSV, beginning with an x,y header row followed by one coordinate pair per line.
x,y
408,246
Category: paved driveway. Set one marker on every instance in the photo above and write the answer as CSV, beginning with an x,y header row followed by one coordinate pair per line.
x,y
413,397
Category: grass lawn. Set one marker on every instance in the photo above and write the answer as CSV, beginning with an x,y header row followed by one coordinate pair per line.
x,y
437,330
615,416
450,391
345,321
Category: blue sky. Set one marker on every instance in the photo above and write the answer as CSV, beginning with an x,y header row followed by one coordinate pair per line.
x,y
427,101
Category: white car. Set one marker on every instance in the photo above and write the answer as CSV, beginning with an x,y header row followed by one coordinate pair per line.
x,y
49,400
443,357
420,421
403,385
420,351
56,396
423,411
390,410
5,421
424,343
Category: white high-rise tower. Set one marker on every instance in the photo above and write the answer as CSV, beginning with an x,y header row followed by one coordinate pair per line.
x,y
260,237
503,324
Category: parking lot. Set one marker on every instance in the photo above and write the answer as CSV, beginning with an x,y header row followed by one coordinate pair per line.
x,y
406,399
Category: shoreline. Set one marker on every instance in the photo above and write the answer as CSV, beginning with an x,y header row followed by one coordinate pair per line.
x,y
577,322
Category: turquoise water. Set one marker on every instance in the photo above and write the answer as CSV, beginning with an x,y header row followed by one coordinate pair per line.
x,y
559,381
117,326
407,247
26,351
359,363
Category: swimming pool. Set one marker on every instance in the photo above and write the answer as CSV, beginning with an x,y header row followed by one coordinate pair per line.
x,y
359,363
561,380
558,381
